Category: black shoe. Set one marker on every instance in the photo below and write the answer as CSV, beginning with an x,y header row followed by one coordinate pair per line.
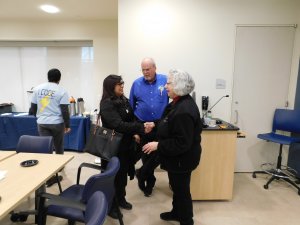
x,y
114,214
141,183
148,191
169,216
53,180
125,205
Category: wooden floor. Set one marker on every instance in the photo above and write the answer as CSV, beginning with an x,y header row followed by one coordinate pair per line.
x,y
251,204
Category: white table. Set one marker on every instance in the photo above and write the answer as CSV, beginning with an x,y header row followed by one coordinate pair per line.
x,y
6,154
20,182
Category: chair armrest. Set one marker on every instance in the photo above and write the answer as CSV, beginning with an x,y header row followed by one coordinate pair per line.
x,y
62,201
88,165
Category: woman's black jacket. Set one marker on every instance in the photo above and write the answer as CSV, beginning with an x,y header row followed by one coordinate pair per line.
x,y
179,136
116,113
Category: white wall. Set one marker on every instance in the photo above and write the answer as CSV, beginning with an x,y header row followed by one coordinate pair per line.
x,y
197,36
103,33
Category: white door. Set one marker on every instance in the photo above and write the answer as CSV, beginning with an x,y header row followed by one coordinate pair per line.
x,y
262,65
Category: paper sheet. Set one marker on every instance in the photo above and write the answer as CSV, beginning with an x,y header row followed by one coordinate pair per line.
x,y
2,174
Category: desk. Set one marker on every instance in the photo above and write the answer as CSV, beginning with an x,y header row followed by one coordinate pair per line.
x,y
213,178
6,154
20,182
12,127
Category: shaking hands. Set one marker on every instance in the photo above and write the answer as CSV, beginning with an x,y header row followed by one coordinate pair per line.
x,y
148,127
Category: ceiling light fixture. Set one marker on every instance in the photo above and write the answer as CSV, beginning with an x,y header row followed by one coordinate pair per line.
x,y
49,8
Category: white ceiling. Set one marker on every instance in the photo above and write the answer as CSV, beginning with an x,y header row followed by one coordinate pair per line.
x,y
70,10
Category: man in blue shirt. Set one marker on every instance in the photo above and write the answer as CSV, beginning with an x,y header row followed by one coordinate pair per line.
x,y
148,98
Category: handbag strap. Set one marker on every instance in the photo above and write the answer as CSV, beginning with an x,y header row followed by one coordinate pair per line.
x,y
98,125
98,119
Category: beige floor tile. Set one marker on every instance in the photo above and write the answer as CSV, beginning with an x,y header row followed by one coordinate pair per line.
x,y
251,203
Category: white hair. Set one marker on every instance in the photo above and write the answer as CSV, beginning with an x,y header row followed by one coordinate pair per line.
x,y
183,83
149,60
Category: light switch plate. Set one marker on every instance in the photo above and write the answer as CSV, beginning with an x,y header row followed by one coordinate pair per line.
x,y
220,84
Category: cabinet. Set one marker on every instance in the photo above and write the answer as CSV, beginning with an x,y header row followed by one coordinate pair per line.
x,y
213,178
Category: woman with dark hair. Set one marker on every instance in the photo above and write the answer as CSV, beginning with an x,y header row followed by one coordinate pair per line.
x,y
116,113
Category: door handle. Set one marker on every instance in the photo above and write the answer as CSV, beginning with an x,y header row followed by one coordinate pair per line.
x,y
236,117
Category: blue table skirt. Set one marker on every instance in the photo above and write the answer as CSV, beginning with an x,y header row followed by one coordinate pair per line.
x,y
12,127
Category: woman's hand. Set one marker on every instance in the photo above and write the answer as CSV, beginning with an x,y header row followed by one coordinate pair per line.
x,y
150,147
148,127
137,138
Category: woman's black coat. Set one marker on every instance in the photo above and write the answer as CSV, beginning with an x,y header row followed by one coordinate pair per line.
x,y
179,136
116,113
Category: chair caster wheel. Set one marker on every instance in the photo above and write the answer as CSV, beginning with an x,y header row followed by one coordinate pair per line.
x,y
23,218
253,175
266,186
16,217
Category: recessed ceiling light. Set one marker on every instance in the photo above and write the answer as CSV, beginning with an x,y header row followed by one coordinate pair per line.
x,y
49,8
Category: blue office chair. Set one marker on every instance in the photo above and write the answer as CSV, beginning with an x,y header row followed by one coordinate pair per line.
x,y
59,206
96,209
93,212
284,120
33,144
37,144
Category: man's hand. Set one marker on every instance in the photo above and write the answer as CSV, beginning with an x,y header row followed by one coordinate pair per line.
x,y
67,130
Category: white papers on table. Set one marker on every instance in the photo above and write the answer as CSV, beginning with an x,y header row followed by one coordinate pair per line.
x,y
21,114
2,174
5,114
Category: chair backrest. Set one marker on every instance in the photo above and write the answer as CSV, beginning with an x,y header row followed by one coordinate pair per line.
x,y
286,120
96,209
102,182
35,144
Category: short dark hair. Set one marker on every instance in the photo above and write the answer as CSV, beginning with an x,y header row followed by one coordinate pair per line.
x,y
109,84
54,75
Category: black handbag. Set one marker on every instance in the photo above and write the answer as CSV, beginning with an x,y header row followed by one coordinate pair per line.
x,y
103,142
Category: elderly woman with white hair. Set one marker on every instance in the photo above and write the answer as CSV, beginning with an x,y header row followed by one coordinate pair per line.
x,y
178,144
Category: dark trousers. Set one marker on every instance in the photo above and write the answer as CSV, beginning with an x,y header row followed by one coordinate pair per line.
x,y
182,199
150,161
121,176
57,131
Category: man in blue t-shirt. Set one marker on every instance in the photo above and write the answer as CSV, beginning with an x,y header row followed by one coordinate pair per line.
x,y
148,98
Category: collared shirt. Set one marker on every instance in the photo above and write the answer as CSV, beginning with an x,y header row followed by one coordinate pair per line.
x,y
149,100
176,99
